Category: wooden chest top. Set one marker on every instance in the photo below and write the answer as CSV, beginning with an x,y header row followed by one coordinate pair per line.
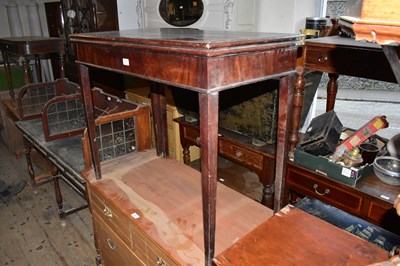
x,y
162,197
294,237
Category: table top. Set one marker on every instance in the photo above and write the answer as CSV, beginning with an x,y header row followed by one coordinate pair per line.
x,y
341,41
190,58
66,151
193,39
295,237
31,45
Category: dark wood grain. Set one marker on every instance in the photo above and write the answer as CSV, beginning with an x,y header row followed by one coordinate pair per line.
x,y
207,62
370,199
294,237
30,48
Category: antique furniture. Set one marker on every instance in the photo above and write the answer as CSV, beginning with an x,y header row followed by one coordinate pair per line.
x,y
238,148
30,48
147,211
79,16
369,199
57,133
203,61
142,95
295,237
25,48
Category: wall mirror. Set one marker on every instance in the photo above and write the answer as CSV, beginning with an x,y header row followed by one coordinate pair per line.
x,y
181,13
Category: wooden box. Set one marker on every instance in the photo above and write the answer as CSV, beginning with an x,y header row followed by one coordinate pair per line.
x,y
373,9
142,95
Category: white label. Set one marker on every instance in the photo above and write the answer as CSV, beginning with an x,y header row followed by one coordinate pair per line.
x,y
385,197
125,61
346,172
135,215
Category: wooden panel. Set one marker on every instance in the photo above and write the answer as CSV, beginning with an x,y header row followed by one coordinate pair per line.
x,y
244,156
374,9
111,216
148,251
142,95
304,182
340,59
382,214
166,204
106,15
294,237
112,250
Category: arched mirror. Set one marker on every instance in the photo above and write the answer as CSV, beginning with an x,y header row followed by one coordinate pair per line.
x,y
181,13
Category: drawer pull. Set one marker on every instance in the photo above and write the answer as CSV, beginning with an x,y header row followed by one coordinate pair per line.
x,y
107,212
198,141
323,59
326,192
238,154
111,244
160,262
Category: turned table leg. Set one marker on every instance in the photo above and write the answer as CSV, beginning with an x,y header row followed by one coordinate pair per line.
x,y
331,91
31,171
297,106
57,190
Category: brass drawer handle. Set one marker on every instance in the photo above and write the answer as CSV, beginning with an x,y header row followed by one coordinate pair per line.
x,y
107,212
111,244
160,262
323,59
326,192
238,154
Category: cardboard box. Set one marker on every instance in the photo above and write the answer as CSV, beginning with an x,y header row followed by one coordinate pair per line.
x,y
346,175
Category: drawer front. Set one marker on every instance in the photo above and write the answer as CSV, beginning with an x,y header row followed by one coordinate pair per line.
x,y
148,251
111,216
241,155
113,250
192,135
377,211
384,215
319,187
348,61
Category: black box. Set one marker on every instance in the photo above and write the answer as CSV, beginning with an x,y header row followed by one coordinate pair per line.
x,y
322,135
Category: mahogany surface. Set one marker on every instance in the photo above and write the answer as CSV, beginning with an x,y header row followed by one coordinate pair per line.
x,y
294,237
370,199
153,207
29,48
203,61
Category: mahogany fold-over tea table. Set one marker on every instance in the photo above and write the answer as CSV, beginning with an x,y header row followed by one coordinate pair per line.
x,y
207,62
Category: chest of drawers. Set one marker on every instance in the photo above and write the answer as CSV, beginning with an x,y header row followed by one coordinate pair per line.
x,y
370,199
146,214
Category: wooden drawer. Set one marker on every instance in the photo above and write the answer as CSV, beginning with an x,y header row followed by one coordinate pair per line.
x,y
113,250
148,251
382,214
241,155
341,60
192,135
317,186
111,216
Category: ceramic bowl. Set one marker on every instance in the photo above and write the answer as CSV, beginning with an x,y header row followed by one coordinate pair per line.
x,y
387,169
